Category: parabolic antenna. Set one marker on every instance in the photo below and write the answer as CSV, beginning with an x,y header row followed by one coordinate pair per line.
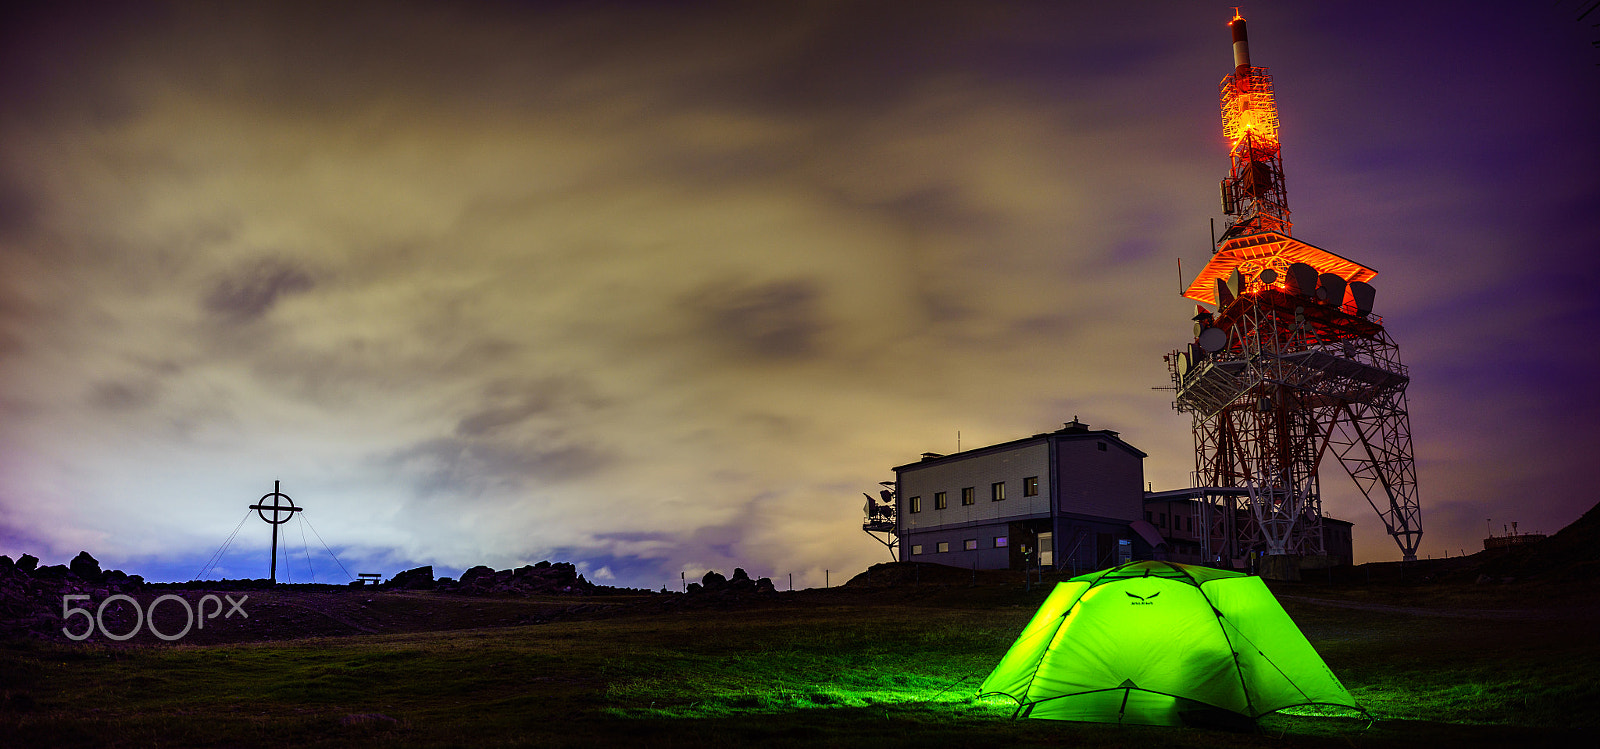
x,y
1213,340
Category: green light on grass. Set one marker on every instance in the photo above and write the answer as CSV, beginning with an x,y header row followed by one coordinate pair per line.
x,y
644,699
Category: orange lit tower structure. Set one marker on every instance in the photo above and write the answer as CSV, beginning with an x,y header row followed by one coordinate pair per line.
x,y
1291,365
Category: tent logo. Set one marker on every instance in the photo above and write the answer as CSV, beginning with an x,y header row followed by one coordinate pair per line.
x,y
1143,600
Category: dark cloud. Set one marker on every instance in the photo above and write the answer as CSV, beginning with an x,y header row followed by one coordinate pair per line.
x,y
19,208
462,468
251,292
123,395
515,402
778,320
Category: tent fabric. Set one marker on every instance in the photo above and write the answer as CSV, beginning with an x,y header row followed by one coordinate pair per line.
x,y
1161,643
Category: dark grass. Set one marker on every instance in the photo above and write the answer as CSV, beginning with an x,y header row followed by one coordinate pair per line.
x,y
840,670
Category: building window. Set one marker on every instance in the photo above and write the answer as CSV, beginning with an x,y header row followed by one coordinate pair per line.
x,y
1161,520
1189,522
1030,486
944,546
968,494
916,549
916,504
1101,446
1000,542
1149,516
939,501
997,491
970,544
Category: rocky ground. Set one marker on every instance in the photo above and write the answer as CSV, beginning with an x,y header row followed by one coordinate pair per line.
x,y
34,601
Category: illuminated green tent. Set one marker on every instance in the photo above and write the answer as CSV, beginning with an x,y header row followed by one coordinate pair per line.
x,y
1160,643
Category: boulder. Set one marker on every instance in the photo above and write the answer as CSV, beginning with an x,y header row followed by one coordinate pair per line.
x,y
27,562
471,575
420,578
86,567
714,581
53,572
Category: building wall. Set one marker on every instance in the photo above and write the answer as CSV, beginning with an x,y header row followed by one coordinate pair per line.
x,y
978,470
1336,540
1101,478
987,556
1179,522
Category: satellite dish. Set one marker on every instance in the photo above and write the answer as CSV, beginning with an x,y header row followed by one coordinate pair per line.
x,y
1302,279
1330,289
1362,294
1224,294
1269,276
888,496
1213,340
868,509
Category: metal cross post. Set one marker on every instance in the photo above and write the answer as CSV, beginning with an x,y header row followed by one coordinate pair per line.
x,y
289,510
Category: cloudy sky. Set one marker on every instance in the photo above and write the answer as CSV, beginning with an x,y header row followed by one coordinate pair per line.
x,y
654,290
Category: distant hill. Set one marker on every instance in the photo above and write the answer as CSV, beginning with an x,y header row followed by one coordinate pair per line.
x,y
1573,552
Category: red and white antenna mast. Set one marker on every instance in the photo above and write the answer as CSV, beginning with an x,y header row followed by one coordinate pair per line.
x,y
1253,194
1291,367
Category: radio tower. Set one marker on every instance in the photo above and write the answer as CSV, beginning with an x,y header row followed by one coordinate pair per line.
x,y
1291,366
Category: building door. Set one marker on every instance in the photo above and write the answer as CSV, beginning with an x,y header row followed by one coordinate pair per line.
x,y
1047,549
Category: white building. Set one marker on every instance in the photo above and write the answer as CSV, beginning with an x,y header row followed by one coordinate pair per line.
x,y
1067,499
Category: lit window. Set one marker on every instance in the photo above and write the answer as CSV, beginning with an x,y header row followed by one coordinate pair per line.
x,y
944,546
916,549
997,491
939,501
1030,486
970,544
916,504
999,542
968,495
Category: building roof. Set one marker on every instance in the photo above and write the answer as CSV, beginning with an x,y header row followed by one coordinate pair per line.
x,y
1072,430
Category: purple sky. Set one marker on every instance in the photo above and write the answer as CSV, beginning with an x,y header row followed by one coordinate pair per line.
x,y
655,290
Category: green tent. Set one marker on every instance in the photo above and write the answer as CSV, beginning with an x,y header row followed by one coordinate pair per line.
x,y
1160,643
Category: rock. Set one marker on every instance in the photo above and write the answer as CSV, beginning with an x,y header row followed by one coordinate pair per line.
x,y
764,585
6,565
713,581
27,562
739,574
420,578
473,574
53,572
86,567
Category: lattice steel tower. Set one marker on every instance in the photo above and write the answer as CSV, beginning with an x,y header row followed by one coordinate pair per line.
x,y
1292,364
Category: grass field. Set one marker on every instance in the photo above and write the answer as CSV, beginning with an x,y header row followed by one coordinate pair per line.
x,y
842,668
